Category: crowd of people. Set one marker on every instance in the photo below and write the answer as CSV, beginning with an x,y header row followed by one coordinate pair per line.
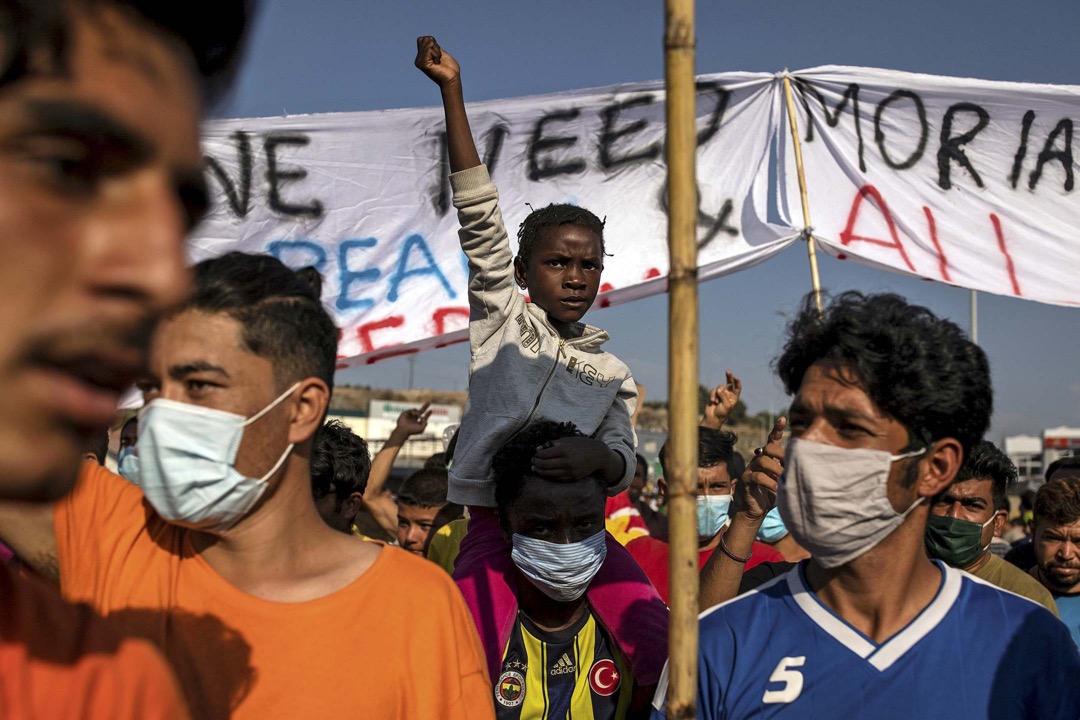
x,y
248,559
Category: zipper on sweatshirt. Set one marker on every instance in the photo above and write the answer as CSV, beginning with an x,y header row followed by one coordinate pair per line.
x,y
536,403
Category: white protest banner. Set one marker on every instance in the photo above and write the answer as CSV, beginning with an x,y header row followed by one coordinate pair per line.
x,y
365,198
968,182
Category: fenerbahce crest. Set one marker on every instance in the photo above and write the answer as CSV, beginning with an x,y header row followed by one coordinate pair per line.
x,y
510,690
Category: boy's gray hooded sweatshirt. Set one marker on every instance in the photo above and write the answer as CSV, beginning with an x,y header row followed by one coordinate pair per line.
x,y
521,369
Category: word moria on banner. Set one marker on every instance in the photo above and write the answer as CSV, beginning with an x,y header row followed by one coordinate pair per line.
x,y
968,182
365,198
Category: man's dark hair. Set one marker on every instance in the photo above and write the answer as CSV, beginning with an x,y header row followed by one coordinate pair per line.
x,y
340,462
555,215
641,462
37,32
280,310
512,465
128,423
1069,462
714,447
920,369
425,488
99,446
1058,502
986,462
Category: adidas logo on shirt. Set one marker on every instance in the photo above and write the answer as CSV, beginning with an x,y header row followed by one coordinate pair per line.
x,y
565,666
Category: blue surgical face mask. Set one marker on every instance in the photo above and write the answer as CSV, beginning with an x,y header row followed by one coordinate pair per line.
x,y
772,527
560,571
127,464
186,457
712,514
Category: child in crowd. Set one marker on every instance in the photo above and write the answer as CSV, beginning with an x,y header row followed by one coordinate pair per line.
x,y
533,360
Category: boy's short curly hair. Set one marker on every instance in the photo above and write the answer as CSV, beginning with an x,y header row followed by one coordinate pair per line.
x,y
555,215
340,462
920,369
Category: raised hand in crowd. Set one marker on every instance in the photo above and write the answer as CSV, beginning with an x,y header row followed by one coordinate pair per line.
x,y
444,70
755,495
752,498
722,401
378,501
436,63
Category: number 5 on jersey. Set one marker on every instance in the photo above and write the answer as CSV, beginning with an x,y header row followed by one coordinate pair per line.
x,y
792,679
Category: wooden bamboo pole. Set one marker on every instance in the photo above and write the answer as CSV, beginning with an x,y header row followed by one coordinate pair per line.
x,y
815,279
682,358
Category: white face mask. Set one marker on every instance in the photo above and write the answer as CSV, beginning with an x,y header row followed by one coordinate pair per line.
x,y
186,456
835,500
560,571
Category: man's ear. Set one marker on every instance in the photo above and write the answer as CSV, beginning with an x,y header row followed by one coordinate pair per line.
x,y
520,275
939,466
661,488
309,408
1000,516
353,503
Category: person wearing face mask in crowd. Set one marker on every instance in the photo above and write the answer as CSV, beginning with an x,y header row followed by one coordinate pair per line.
x,y
888,401
718,464
722,402
557,656
221,557
127,460
965,515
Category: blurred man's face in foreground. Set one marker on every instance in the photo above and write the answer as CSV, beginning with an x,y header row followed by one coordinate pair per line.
x,y
100,181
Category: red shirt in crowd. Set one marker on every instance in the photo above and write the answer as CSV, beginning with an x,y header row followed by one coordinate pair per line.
x,y
652,555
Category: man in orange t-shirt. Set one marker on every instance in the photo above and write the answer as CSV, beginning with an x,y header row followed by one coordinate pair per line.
x,y
220,556
100,180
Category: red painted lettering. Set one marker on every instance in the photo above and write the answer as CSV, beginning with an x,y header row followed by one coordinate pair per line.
x,y
943,264
848,235
1005,251
604,288
440,316
365,331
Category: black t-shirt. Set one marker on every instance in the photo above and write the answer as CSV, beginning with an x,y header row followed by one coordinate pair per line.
x,y
763,573
1022,554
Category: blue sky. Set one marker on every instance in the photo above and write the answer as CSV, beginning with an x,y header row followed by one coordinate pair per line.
x,y
338,55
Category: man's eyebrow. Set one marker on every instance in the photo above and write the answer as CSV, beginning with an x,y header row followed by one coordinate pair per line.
x,y
83,121
179,372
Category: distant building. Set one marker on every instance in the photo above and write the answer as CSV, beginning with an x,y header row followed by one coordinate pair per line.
x,y
379,421
1032,454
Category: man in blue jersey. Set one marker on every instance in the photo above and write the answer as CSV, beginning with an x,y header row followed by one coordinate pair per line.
x,y
1057,542
888,399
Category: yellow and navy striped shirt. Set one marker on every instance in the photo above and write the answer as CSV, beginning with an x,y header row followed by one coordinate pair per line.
x,y
571,674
